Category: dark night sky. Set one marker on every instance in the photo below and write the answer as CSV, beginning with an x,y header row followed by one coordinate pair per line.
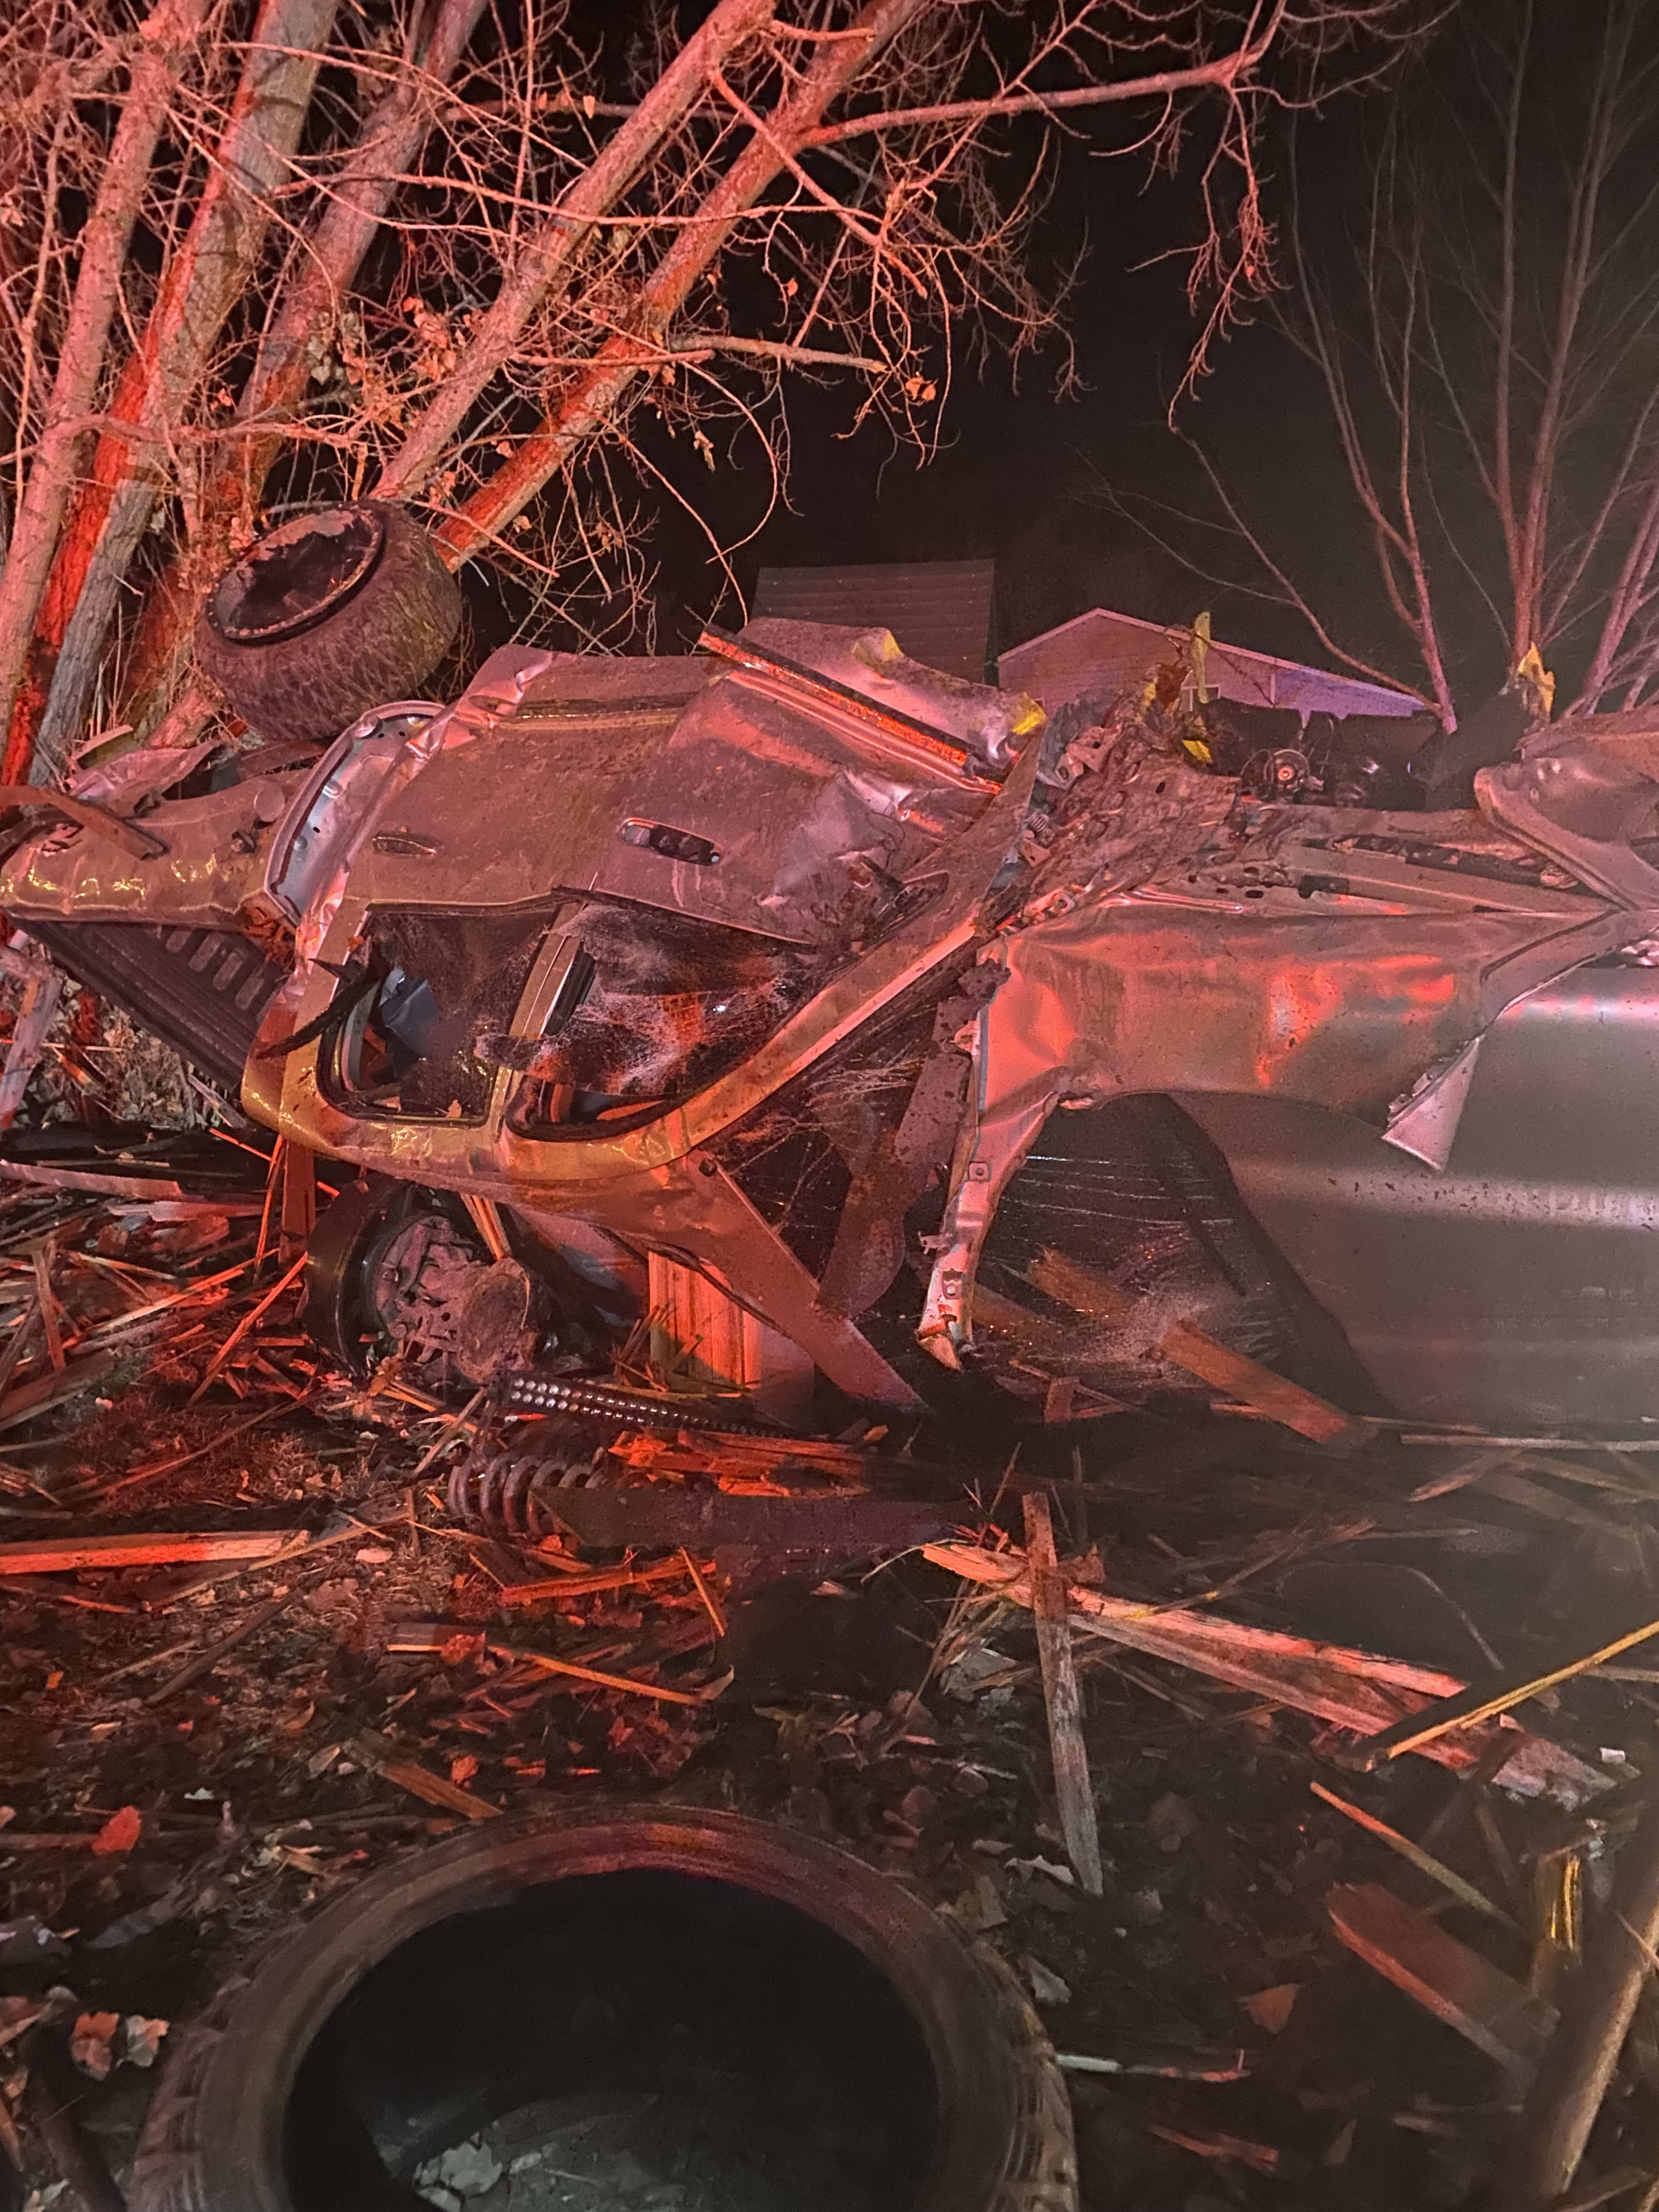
x,y
1020,472
1017,478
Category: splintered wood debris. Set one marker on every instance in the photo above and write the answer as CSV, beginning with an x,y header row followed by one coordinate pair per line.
x,y
1131,1725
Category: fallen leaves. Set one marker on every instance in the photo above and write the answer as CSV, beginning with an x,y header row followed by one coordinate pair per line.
x,y
120,1832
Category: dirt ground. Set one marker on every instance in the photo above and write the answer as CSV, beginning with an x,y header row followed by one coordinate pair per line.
x,y
195,1753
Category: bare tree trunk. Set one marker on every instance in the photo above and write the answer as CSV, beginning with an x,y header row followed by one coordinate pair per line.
x,y
591,401
203,283
557,247
388,145
164,36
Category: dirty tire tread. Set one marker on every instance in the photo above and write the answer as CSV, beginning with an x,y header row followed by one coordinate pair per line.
x,y
167,2173
381,644
173,2170
1040,2175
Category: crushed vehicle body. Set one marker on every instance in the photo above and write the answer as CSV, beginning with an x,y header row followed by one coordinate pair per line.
x,y
838,1021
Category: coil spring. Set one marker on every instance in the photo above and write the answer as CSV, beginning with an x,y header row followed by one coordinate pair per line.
x,y
498,1487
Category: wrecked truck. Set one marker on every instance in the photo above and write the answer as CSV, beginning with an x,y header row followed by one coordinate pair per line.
x,y
788,1018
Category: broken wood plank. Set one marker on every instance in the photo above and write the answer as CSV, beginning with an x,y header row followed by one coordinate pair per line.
x,y
593,1583
183,1459
298,1204
60,1555
1424,1861
189,1295
1357,1690
1073,1788
35,1009
30,1399
204,1661
1496,2013
711,1604
44,1255
258,1313
85,1179
1087,1291
1482,1701
1597,2007
380,1757
545,1663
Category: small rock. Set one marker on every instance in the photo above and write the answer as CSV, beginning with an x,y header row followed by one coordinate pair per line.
x,y
1047,1986
465,2169
1172,1821
917,1806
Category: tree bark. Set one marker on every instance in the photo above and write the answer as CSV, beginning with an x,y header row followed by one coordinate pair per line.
x,y
203,283
388,146
557,247
164,38
591,400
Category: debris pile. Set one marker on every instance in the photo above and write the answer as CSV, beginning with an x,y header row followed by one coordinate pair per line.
x,y
1284,1770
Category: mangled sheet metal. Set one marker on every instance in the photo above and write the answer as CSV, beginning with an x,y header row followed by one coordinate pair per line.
x,y
1176,936
774,961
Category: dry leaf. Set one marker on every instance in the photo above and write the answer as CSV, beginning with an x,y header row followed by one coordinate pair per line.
x,y
1271,2008
120,1832
90,2043
140,2038
1047,1986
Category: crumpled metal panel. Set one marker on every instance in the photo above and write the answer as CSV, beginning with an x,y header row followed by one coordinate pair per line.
x,y
213,865
994,723
811,823
1342,1010
1520,1284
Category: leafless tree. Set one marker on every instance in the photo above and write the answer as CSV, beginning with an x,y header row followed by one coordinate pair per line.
x,y
256,254
1486,338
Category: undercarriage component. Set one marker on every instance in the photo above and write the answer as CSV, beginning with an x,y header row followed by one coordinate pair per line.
x,y
559,1393
559,1478
391,1271
204,990
1136,1193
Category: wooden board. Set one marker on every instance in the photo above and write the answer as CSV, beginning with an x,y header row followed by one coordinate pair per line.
x,y
1498,2015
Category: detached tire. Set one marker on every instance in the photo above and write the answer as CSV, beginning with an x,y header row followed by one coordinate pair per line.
x,y
606,1951
330,615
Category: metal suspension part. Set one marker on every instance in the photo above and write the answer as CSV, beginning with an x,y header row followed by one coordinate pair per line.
x,y
533,1393
497,1486
554,1479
